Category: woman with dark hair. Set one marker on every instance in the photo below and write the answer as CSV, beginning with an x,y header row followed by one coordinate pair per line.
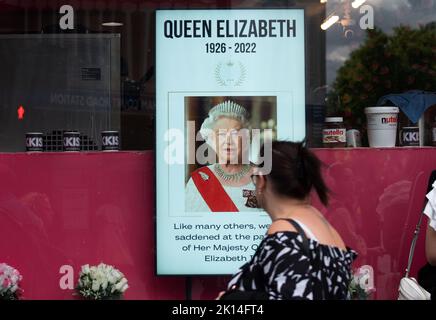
x,y
302,256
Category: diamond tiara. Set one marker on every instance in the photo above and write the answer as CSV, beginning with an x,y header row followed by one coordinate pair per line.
x,y
230,107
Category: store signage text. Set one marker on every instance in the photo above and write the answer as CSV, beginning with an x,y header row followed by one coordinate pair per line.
x,y
72,142
110,141
34,142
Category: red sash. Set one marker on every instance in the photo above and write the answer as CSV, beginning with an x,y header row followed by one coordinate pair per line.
x,y
212,191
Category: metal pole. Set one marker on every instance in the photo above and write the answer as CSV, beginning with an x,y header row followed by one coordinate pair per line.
x,y
188,288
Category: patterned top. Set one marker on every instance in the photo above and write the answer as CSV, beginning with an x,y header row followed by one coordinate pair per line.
x,y
282,269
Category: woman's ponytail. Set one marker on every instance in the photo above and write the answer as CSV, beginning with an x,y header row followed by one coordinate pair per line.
x,y
313,175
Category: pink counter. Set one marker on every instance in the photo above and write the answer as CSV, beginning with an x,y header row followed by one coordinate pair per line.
x,y
71,209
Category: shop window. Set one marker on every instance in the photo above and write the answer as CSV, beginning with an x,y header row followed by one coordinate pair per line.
x,y
100,75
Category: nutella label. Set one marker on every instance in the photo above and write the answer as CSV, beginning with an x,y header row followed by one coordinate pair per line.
x,y
382,122
334,136
388,120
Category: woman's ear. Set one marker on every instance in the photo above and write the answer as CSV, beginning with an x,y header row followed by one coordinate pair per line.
x,y
261,182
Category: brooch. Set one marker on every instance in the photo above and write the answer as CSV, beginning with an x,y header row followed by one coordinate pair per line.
x,y
204,176
251,198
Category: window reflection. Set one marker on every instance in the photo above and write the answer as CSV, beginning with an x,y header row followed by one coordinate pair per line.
x,y
395,59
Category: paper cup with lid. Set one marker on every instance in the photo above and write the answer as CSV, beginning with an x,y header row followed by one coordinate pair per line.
x,y
382,126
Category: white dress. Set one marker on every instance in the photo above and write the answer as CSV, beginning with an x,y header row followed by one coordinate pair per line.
x,y
430,208
194,202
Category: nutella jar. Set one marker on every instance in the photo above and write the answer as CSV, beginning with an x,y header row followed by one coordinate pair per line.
x,y
334,133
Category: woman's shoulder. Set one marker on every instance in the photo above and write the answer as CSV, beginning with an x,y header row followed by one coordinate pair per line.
x,y
293,239
280,225
314,224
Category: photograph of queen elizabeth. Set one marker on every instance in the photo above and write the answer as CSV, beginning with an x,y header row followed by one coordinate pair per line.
x,y
222,182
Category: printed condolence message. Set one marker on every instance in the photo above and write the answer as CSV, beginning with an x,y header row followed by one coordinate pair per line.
x,y
225,245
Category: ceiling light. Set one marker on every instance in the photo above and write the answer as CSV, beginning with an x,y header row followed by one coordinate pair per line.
x,y
357,3
112,24
329,22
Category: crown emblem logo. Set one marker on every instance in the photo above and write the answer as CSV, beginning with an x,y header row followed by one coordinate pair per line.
x,y
230,73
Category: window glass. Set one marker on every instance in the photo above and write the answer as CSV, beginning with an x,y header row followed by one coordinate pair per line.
x,y
90,67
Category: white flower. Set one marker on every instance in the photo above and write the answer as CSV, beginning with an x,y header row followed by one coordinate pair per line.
x,y
111,279
117,274
121,284
124,288
104,284
101,266
85,269
98,281
9,281
92,273
95,286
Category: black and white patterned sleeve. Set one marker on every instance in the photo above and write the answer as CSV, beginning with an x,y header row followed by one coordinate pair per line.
x,y
286,269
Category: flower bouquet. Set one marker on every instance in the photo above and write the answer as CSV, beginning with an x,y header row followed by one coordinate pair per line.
x,y
9,282
102,282
359,288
